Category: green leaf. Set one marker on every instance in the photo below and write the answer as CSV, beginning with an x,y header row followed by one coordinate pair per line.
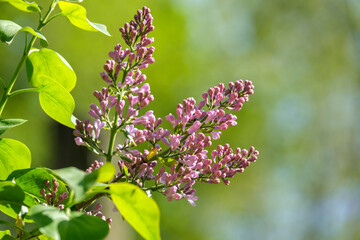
x,y
13,155
9,29
72,0
106,173
77,16
23,5
32,180
74,225
79,181
46,62
34,32
5,124
137,208
4,234
56,101
44,43
11,198
44,237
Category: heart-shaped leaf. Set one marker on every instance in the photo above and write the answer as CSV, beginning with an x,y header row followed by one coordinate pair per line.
x,y
137,208
46,62
75,225
9,29
56,101
23,5
77,16
5,124
13,155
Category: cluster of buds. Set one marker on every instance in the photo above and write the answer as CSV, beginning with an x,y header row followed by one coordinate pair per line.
x,y
97,213
52,198
94,166
129,61
138,28
231,98
182,150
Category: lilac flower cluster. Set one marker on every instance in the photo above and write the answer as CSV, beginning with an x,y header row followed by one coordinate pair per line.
x,y
94,166
178,157
52,198
129,61
97,213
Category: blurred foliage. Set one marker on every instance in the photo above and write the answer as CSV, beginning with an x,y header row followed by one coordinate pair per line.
x,y
304,60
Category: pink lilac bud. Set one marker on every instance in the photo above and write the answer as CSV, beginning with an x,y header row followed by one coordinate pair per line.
x,y
43,192
109,66
215,135
174,141
106,78
195,127
98,125
94,166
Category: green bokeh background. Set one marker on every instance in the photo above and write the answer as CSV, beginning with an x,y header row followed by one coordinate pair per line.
x,y
303,58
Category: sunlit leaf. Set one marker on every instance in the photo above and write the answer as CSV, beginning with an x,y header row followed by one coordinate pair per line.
x,y
44,237
9,29
77,16
106,173
4,234
72,0
46,62
5,124
13,155
23,5
56,101
137,208
74,225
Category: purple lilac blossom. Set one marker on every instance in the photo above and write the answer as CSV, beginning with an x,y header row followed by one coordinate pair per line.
x,y
185,159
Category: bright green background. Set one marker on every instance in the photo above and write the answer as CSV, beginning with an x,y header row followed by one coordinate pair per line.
x,y
303,58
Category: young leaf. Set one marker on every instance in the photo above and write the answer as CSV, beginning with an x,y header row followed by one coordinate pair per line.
x,y
79,181
106,173
137,208
34,32
51,64
77,16
9,29
13,155
56,101
5,124
32,180
74,225
23,5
